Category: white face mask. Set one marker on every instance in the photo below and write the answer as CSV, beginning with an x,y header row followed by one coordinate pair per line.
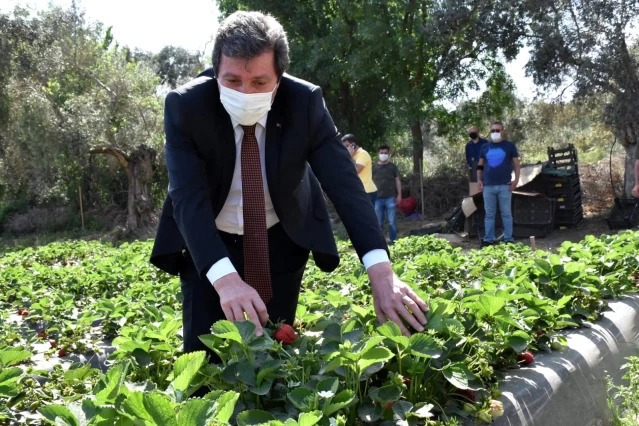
x,y
495,136
383,158
243,108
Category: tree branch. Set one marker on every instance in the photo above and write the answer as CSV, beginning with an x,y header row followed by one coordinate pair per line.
x,y
119,155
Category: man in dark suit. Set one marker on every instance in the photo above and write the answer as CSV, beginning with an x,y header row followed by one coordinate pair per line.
x,y
247,147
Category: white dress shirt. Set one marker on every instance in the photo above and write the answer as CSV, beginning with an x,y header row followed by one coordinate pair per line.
x,y
231,217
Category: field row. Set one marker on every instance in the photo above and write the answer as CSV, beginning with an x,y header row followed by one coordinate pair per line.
x,y
490,311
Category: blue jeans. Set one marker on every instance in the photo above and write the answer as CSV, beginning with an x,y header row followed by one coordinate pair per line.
x,y
492,194
387,204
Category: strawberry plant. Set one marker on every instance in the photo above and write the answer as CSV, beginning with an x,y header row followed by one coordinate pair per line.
x,y
488,309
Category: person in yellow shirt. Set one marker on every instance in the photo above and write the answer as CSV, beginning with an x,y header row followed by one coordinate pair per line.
x,y
363,163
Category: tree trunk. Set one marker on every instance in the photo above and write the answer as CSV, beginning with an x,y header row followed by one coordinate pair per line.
x,y
418,145
140,202
629,175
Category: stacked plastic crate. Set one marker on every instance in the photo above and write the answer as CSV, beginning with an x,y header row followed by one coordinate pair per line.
x,y
560,178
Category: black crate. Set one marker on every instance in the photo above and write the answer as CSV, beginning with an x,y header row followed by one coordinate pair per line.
x,y
563,156
624,214
570,219
560,169
568,202
561,180
568,213
559,190
563,226
528,210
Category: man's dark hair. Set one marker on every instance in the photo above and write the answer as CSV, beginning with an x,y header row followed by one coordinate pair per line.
x,y
349,138
498,123
246,35
383,147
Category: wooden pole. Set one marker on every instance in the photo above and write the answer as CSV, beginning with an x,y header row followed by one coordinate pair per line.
x,y
533,243
81,210
421,182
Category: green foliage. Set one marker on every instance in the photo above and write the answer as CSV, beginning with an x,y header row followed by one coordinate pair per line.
x,y
70,88
485,308
623,401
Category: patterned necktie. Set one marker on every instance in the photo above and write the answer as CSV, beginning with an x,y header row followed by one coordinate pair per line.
x,y
257,272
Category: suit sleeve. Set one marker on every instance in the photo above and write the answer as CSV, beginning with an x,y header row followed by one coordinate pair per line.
x,y
333,167
188,189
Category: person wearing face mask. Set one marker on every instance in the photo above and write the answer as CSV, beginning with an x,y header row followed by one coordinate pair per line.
x,y
247,148
389,190
497,161
473,149
363,165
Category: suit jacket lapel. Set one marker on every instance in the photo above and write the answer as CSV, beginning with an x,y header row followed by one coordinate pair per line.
x,y
273,143
226,148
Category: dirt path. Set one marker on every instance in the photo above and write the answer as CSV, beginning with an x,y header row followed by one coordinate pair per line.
x,y
591,225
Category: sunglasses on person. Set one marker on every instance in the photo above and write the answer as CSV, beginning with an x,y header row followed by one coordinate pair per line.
x,y
495,130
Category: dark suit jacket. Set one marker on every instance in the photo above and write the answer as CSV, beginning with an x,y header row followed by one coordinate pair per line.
x,y
303,150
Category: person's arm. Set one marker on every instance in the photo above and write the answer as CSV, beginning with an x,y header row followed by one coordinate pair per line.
x,y
480,174
329,161
469,159
188,188
516,168
398,183
361,162
193,214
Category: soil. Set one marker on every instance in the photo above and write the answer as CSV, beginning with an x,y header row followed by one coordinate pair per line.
x,y
591,225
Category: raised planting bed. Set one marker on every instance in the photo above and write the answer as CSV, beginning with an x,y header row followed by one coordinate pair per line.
x,y
567,387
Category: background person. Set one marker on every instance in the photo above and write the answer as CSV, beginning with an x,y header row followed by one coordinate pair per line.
x,y
389,190
497,161
473,150
363,164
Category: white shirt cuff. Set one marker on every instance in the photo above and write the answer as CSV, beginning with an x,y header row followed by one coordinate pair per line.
x,y
220,269
374,257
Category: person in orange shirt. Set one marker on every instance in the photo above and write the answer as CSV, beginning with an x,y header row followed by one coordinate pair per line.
x,y
363,164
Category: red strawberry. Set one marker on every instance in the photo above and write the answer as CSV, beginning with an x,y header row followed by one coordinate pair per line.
x,y
466,393
285,334
540,332
42,334
526,358
53,343
24,313
407,382
61,352
389,406
20,311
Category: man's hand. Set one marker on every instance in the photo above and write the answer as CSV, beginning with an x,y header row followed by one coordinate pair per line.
x,y
398,199
635,191
513,185
395,300
237,297
480,185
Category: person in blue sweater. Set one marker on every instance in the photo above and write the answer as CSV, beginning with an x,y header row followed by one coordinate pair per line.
x,y
497,161
473,149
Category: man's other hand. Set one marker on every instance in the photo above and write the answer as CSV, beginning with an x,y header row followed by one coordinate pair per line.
x,y
635,191
480,185
395,300
513,185
237,297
